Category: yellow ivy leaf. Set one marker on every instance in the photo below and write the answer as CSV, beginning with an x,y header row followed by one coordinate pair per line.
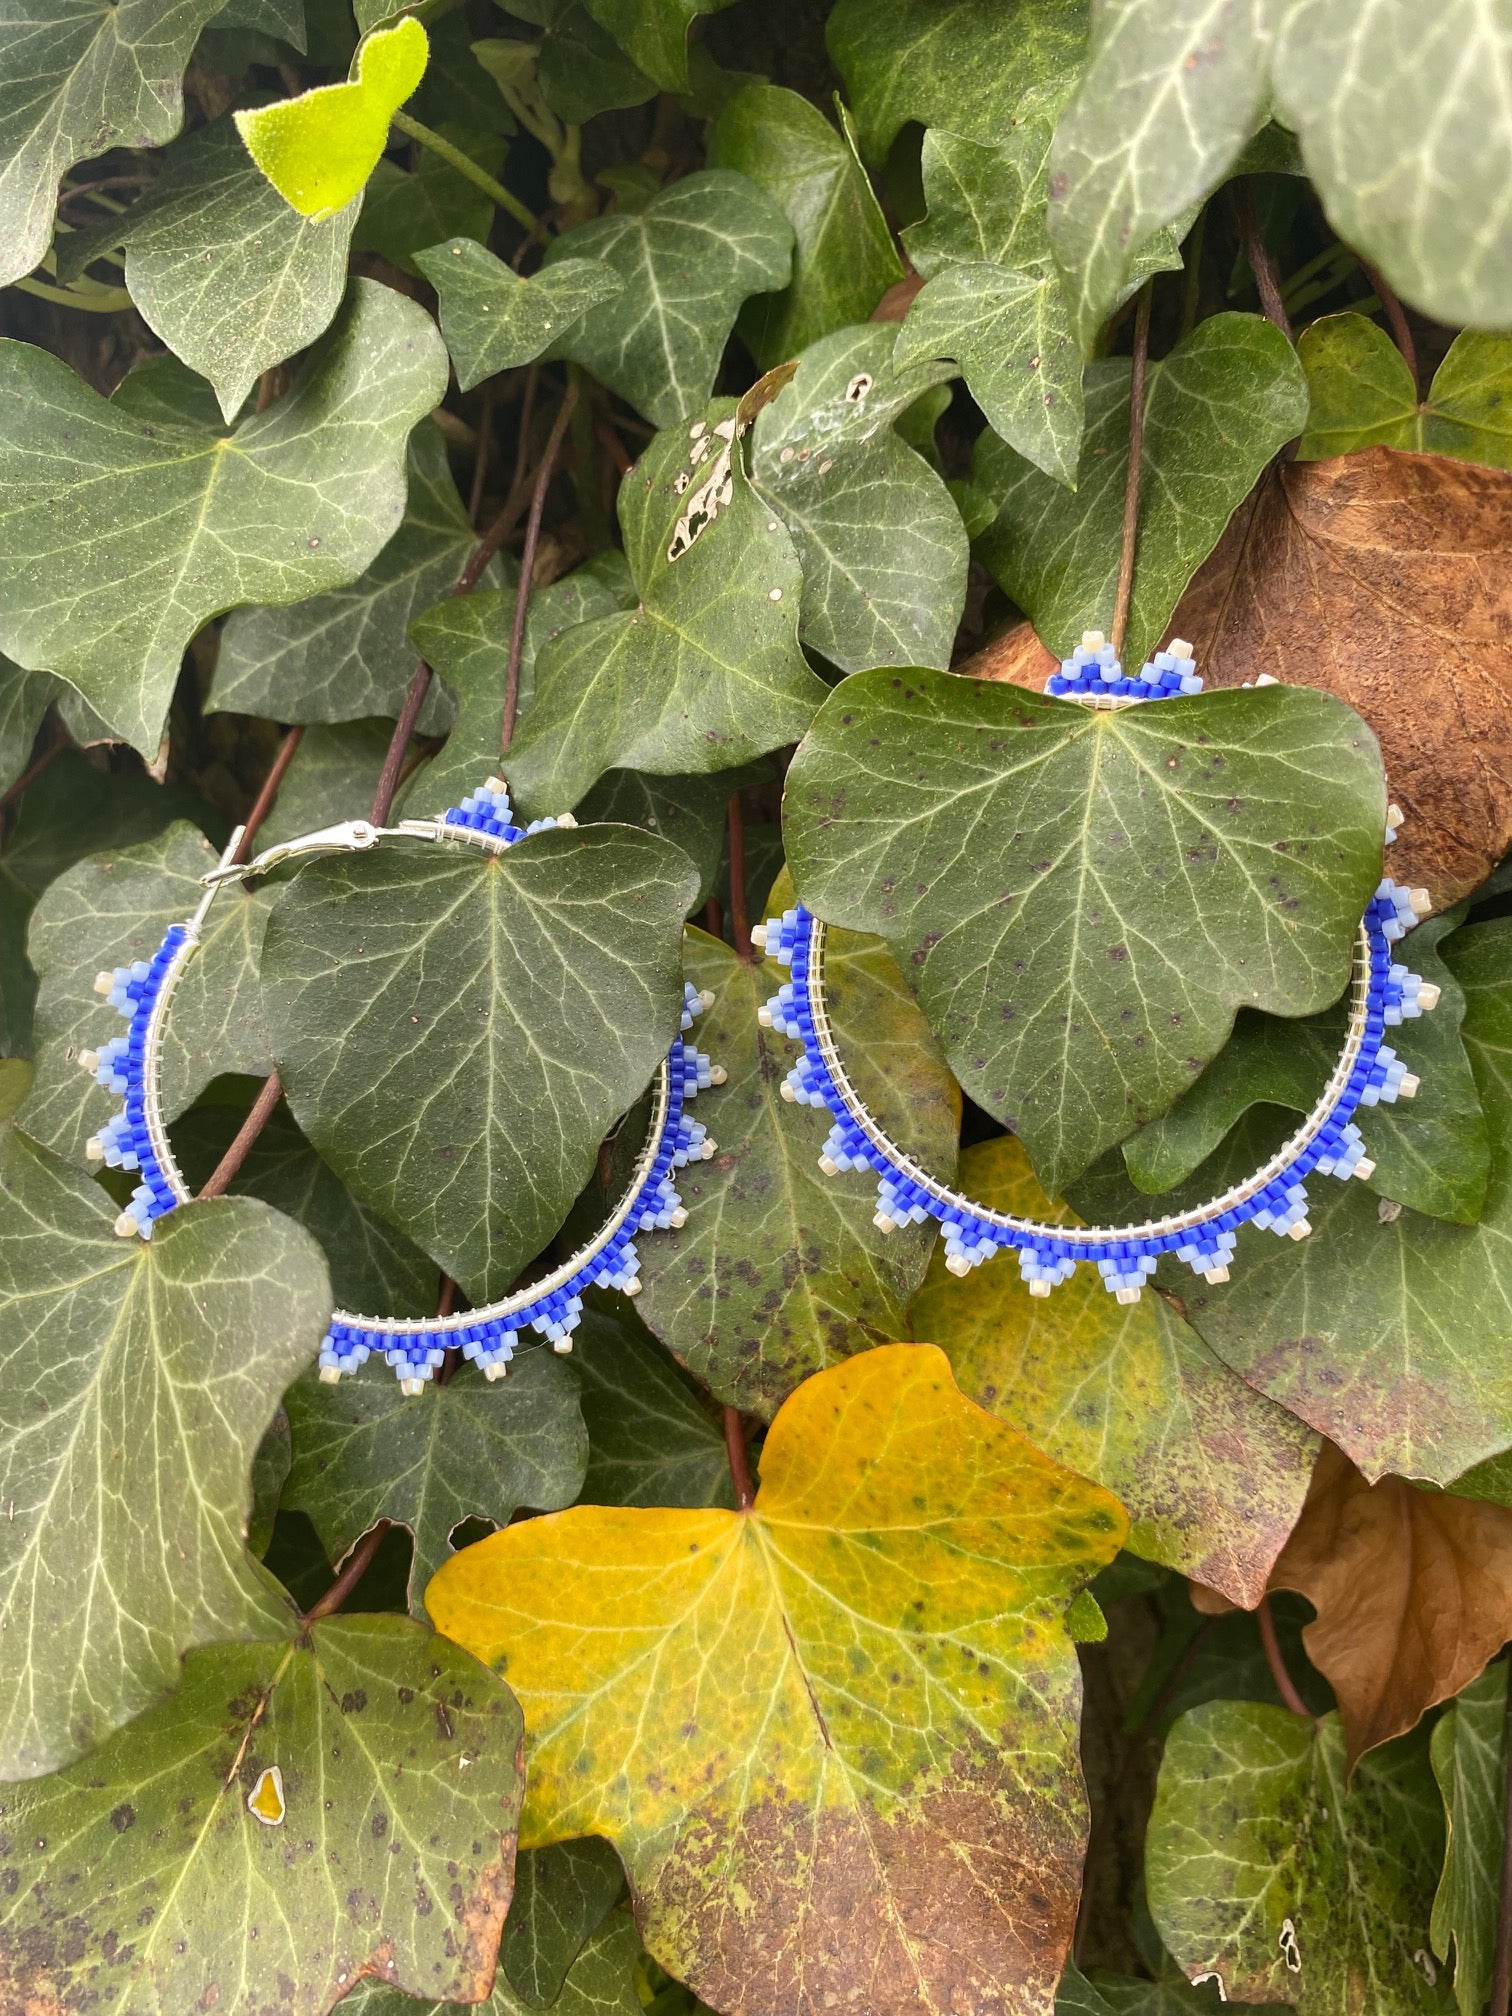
x,y
834,1738
319,149
1212,1473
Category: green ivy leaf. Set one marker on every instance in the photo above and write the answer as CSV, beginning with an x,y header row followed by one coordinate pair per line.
x,y
330,777
1216,410
1383,116
372,1266
1171,93
651,1437
75,81
119,538
602,1981
705,672
524,1003
138,1380
1081,899
844,258
70,811
688,260
1431,1152
1468,1750
1211,1475
492,319
230,277
107,911
383,1843
405,212
780,1271
883,549
580,68
319,149
968,65
1101,1993
1362,394
655,33
347,654
1390,1333
363,1451
1267,1867
283,19
562,1896
24,698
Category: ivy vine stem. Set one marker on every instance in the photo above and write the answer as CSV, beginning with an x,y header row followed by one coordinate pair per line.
x,y
1286,1687
740,1461
527,563
1257,253
464,165
1125,589
1401,332
740,923
1501,1975
351,1573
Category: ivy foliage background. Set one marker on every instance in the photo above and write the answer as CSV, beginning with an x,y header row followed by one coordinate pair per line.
x,y
718,419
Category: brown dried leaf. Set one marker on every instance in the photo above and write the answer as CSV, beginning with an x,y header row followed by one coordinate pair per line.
x,y
1017,656
1413,1591
1384,578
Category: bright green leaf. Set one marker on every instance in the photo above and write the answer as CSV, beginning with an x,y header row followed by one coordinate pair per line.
x,y
780,1270
347,654
319,149
470,1449
844,259
372,1266
969,65
230,277
883,549
138,1380
120,538
1405,121
77,79
1468,1750
706,671
1430,1152
858,1688
1211,1475
1266,1867
1363,395
1390,1333
492,319
688,260
1217,409
1083,899
179,1869
456,1032
1173,90
655,33
652,1438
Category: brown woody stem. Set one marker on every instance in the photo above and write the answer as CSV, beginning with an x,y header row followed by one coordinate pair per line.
x,y
1257,252
1125,590
262,1111
740,1462
527,565
262,804
1286,1687
1501,1976
740,923
352,1571
1396,315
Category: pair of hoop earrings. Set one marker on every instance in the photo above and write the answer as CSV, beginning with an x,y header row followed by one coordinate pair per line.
x,y
1384,993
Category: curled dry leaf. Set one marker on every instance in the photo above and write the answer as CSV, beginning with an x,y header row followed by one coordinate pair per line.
x,y
1384,578
1017,656
1413,1591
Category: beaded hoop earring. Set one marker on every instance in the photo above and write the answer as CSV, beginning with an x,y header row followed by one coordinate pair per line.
x,y
1368,1072
136,1138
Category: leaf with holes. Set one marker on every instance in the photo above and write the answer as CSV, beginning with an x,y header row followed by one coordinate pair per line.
x,y
492,319
220,267
347,654
1363,395
1468,1750
840,1741
77,80
968,65
687,260
883,549
1084,899
299,1812
780,1270
1431,1152
1268,1868
1392,1335
120,537
844,259
1212,1475
363,1451
705,672
1216,410
111,910
1387,579
138,1380
457,1032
